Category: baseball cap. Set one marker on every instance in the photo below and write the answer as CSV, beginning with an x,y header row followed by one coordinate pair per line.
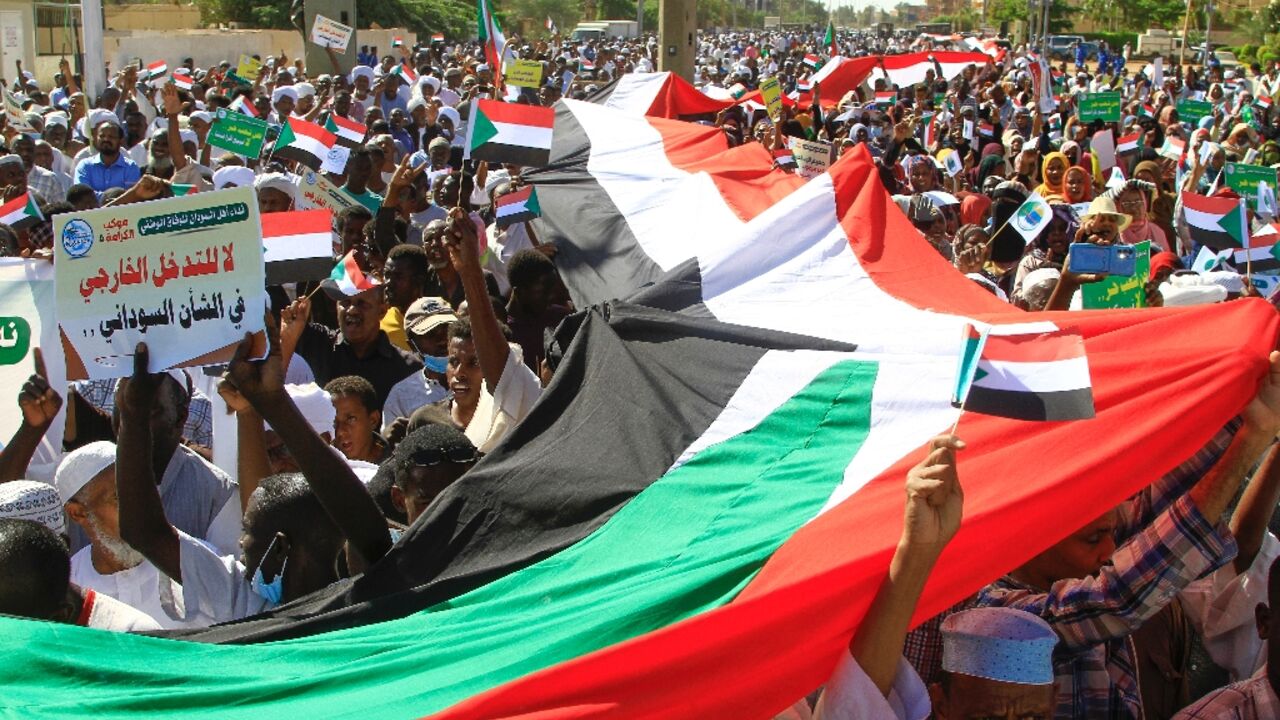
x,y
427,313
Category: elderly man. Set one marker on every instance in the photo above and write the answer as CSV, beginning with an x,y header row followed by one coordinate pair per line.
x,y
108,168
86,484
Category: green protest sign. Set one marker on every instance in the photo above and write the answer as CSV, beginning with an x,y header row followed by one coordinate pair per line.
x,y
1244,180
1104,106
1119,291
1190,111
238,133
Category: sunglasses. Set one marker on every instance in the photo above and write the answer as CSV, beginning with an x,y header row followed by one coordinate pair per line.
x,y
435,456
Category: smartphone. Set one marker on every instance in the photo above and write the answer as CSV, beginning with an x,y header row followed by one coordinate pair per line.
x,y
1097,259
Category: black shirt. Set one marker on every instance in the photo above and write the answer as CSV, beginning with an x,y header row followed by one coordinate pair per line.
x,y
329,356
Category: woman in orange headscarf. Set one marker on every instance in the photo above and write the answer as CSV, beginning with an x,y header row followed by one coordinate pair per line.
x,y
1077,186
1054,171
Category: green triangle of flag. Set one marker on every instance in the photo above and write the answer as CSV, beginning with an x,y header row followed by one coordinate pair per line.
x,y
1275,251
484,130
979,374
330,125
532,203
1233,223
286,137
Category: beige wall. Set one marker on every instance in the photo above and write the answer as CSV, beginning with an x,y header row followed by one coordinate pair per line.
x,y
209,47
151,17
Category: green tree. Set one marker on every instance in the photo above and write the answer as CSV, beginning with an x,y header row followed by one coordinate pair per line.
x,y
452,17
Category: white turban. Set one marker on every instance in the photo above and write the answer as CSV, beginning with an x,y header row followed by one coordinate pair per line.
x,y
431,80
189,136
416,103
56,118
200,115
315,405
285,91
452,114
234,175
305,89
277,181
361,71
82,465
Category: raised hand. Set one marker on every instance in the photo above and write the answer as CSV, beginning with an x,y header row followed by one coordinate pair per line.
x,y
293,320
259,381
461,241
1263,412
172,103
935,500
39,402
136,394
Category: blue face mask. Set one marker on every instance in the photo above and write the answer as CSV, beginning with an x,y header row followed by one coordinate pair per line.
x,y
436,363
272,591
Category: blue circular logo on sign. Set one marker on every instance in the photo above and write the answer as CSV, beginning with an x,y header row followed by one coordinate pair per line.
x,y
77,238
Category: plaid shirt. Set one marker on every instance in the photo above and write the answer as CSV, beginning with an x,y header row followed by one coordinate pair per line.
x,y
923,647
1252,699
198,429
1093,662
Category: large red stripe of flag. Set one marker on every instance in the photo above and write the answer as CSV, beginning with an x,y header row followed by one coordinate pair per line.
x,y
518,114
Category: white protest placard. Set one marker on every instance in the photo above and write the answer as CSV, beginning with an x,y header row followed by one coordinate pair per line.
x,y
1157,72
26,323
952,162
183,274
335,161
13,113
1103,147
812,157
970,132
316,192
327,32
566,81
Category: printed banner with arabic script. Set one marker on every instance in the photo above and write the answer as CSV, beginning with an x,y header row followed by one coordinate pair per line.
x,y
183,274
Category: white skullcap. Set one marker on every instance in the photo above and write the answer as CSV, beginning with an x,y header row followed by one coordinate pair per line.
x,y
482,67
277,181
11,159
200,115
189,136
1000,644
82,465
57,118
452,114
234,175
31,500
314,404
361,71
1042,275
305,89
416,103
285,91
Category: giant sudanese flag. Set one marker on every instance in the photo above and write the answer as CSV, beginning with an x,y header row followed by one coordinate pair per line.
x,y
697,513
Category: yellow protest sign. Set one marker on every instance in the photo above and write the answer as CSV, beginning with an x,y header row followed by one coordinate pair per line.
x,y
248,67
771,94
524,73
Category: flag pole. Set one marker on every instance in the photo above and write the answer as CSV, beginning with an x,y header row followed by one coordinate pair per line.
x,y
956,424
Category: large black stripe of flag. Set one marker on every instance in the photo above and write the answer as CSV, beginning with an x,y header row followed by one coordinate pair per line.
x,y
624,365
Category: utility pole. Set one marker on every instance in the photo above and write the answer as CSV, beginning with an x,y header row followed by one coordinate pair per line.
x,y
95,65
1208,30
677,24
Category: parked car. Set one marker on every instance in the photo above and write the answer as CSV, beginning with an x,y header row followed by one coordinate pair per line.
x,y
1062,47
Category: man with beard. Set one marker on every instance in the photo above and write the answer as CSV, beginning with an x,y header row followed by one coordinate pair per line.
x,y
108,168
86,483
